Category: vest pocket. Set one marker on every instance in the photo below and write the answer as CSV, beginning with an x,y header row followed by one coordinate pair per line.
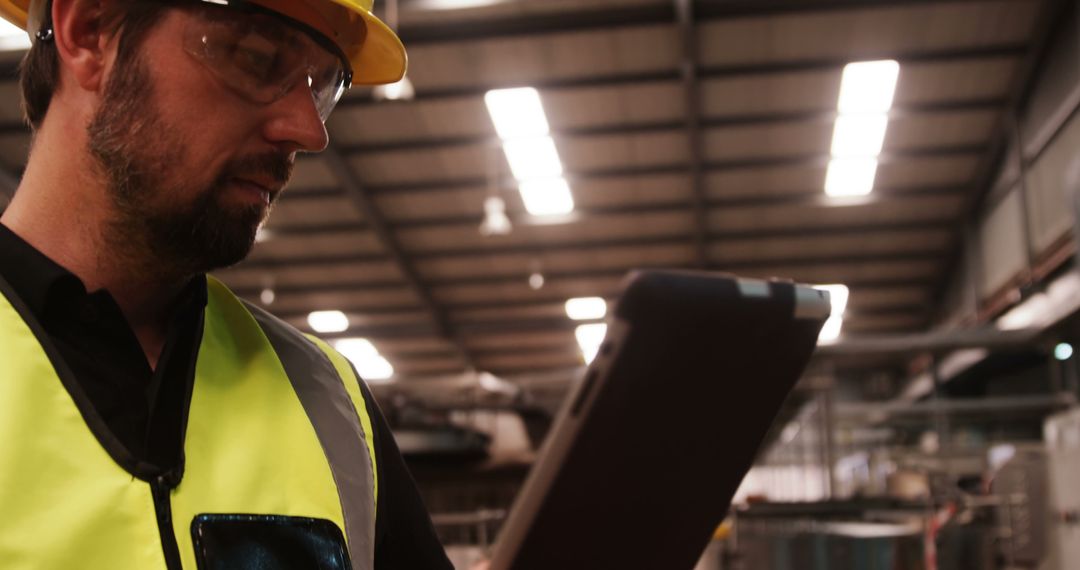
x,y
267,542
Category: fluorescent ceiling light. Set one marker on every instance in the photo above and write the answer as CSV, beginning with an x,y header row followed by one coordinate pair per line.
x,y
533,158
589,338
328,321
868,86
12,38
517,113
371,365
859,135
850,176
546,197
586,308
838,297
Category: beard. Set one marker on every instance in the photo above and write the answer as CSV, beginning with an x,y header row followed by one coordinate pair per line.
x,y
170,225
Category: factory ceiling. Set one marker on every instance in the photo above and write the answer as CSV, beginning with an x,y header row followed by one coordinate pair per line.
x,y
692,135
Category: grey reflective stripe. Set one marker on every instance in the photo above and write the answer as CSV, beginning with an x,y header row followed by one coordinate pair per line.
x,y
337,426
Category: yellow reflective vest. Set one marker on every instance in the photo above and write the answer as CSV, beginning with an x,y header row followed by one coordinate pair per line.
x,y
277,425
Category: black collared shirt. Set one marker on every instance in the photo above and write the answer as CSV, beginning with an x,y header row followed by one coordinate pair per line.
x,y
145,409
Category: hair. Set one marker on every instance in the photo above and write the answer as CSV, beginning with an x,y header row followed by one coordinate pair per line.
x,y
39,74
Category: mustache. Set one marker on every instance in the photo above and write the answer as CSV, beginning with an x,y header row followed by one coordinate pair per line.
x,y
273,168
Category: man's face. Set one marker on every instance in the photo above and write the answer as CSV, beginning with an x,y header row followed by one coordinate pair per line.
x,y
191,169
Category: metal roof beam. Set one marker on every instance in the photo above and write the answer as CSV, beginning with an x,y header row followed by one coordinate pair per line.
x,y
808,159
684,16
826,64
677,238
561,324
924,254
825,116
534,23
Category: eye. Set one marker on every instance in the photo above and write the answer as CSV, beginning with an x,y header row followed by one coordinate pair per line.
x,y
256,56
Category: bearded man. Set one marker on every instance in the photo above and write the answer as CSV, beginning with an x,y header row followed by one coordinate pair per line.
x,y
150,419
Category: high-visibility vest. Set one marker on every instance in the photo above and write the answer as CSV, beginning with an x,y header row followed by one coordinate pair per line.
x,y
277,426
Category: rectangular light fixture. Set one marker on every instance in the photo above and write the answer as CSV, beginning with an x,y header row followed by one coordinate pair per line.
x,y
838,296
850,176
519,119
12,38
868,87
546,197
533,158
859,135
866,95
328,321
516,113
586,308
371,365
589,338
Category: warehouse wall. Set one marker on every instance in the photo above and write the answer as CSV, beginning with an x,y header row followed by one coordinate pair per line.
x,y
1028,215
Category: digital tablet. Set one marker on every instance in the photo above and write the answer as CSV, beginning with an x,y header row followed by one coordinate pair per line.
x,y
651,444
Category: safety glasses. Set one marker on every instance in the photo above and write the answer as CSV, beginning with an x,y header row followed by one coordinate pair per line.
x,y
263,56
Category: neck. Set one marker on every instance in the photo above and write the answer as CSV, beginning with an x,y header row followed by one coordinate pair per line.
x,y
62,208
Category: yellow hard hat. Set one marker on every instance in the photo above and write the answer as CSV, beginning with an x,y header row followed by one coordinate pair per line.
x,y
372,48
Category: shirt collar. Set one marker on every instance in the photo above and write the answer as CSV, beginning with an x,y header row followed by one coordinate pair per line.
x,y
41,282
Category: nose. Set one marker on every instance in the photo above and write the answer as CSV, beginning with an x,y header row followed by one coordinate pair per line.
x,y
295,124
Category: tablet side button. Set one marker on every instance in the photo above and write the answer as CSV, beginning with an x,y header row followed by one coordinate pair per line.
x,y
586,389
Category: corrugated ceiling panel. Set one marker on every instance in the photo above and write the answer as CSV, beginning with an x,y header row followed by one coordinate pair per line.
x,y
847,33
927,130
955,170
779,180
349,301
410,120
437,269
953,81
423,165
599,152
522,60
908,208
413,344
843,272
520,291
774,140
10,114
310,172
414,317
770,93
603,106
882,242
549,310
406,206
640,189
465,12
13,151
558,339
591,228
314,211
300,276
321,244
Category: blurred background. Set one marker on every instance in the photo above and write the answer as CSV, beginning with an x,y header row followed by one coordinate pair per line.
x,y
463,238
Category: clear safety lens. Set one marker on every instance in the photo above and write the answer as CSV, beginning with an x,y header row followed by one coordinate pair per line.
x,y
262,58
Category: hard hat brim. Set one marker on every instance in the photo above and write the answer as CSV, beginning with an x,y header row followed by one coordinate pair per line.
x,y
382,58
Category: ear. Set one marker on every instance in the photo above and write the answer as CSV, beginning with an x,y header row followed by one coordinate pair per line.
x,y
80,42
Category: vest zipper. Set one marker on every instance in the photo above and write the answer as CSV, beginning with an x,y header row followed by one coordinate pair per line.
x,y
160,488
